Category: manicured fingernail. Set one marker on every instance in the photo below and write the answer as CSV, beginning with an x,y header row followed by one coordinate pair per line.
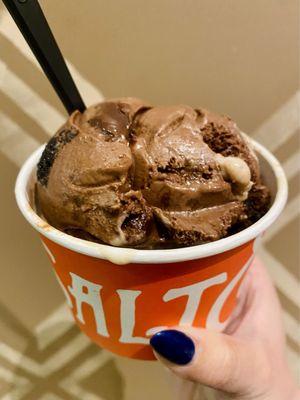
x,y
173,345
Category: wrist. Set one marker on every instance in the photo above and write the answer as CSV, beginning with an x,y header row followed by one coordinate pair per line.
x,y
288,392
283,386
296,394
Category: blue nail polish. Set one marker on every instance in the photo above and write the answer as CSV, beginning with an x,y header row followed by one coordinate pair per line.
x,y
173,345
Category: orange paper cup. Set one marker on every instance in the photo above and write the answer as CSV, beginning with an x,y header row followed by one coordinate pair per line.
x,y
120,297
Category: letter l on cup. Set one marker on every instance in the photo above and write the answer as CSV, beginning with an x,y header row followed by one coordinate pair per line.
x,y
127,298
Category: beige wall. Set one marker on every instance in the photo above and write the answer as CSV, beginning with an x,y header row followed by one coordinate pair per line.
x,y
238,57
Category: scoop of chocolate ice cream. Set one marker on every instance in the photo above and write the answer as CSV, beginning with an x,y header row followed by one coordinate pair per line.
x,y
127,174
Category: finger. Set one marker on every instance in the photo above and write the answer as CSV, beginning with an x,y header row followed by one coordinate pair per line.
x,y
213,359
261,311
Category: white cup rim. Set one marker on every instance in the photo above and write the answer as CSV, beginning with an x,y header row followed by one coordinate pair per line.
x,y
119,255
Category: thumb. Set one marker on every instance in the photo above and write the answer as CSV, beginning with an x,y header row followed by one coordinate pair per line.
x,y
214,359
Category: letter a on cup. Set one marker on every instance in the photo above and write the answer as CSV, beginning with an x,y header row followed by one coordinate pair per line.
x,y
90,296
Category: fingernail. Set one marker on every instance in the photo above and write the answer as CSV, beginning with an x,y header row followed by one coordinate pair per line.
x,y
173,345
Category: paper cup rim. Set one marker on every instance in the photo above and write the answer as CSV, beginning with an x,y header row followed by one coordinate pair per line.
x,y
119,255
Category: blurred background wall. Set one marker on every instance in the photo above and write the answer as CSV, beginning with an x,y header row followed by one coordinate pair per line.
x,y
235,57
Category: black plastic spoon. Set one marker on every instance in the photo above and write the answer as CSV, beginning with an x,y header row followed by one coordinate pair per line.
x,y
31,21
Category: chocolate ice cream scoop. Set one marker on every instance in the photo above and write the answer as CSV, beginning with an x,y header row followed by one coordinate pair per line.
x,y
127,174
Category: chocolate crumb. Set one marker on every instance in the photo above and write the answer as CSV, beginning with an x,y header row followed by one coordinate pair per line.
x,y
50,152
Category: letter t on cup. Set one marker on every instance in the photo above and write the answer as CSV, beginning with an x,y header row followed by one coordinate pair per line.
x,y
194,293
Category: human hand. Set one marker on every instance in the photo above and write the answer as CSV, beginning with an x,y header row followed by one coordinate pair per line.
x,y
247,362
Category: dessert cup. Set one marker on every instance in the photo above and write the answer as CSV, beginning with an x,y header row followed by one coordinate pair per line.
x,y
119,296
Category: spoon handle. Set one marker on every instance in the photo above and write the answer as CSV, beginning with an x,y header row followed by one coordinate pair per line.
x,y
31,21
